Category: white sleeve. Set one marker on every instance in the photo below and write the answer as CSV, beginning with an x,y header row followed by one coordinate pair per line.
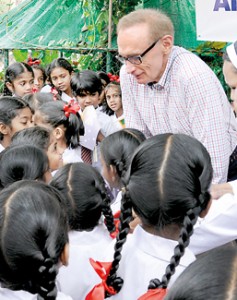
x,y
218,227
234,187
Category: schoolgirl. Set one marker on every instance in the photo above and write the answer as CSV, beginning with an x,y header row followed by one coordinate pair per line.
x,y
66,125
105,80
42,138
34,241
39,74
37,99
15,115
113,105
87,87
59,73
167,186
91,225
116,153
19,80
23,162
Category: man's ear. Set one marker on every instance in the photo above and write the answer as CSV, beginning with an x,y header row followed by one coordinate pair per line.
x,y
10,87
4,129
58,133
167,42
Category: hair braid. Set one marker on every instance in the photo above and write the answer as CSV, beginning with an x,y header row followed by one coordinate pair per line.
x,y
46,281
125,219
184,238
120,167
106,209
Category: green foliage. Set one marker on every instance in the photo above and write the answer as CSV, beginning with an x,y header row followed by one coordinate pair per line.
x,y
211,53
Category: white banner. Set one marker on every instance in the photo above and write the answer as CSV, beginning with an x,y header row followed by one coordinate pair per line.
x,y
216,20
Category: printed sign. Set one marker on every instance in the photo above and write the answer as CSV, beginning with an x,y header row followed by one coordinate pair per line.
x,y
216,20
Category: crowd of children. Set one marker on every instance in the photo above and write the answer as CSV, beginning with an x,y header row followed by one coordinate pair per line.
x,y
90,209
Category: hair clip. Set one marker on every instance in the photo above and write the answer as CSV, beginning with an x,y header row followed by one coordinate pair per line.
x,y
71,108
33,61
113,78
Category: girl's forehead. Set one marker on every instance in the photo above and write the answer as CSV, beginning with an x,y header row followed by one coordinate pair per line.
x,y
25,75
112,88
24,113
58,70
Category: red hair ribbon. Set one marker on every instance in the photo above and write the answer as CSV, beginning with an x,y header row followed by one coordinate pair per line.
x,y
71,108
34,90
116,224
98,291
34,61
154,294
54,92
113,77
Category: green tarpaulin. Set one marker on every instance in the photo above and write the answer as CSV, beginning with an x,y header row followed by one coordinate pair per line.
x,y
45,24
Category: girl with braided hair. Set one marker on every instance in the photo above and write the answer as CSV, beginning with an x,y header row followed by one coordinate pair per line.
x,y
167,186
65,124
15,115
34,241
19,80
91,223
116,153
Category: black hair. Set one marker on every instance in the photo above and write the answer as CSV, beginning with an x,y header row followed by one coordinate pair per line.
x,y
36,136
58,63
9,109
117,148
22,162
34,232
85,195
12,72
37,99
39,67
54,114
105,106
212,277
103,76
85,82
167,183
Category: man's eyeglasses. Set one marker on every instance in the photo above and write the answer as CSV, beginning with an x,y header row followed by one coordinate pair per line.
x,y
135,60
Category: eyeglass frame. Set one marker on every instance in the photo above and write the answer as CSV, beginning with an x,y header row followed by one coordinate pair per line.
x,y
136,57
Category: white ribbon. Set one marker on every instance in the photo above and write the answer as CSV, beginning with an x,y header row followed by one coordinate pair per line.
x,y
232,54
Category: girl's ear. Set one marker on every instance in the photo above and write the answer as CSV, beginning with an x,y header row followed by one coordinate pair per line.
x,y
4,129
113,173
58,133
10,87
64,257
205,211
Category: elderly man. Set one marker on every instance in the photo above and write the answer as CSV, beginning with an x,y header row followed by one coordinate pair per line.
x,y
166,88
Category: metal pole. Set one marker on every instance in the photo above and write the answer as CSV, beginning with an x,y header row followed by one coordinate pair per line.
x,y
108,60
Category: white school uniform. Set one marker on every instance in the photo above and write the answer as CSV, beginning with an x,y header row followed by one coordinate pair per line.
x,y
47,89
106,123
6,294
116,121
79,277
107,127
72,155
1,148
116,205
145,257
218,227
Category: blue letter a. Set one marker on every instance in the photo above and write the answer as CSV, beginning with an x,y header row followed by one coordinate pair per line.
x,y
222,4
